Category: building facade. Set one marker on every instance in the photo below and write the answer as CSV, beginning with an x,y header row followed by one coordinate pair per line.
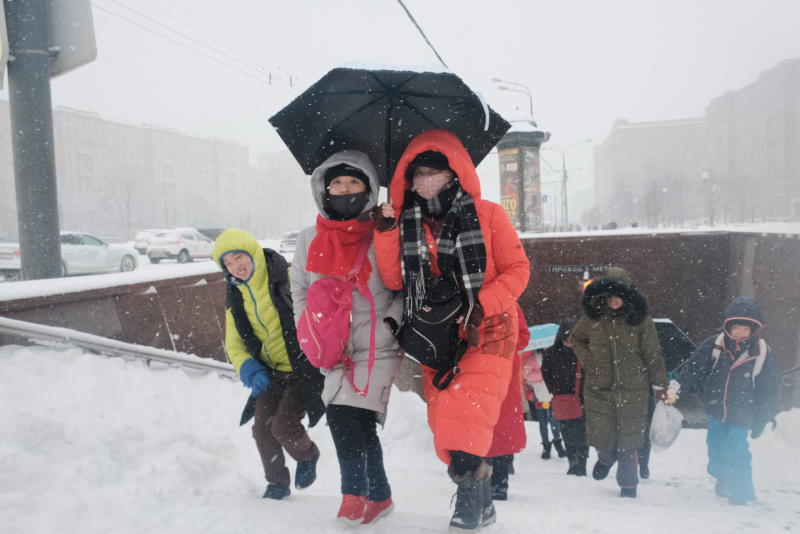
x,y
115,179
739,163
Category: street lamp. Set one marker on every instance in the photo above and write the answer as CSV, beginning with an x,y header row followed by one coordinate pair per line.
x,y
517,88
564,212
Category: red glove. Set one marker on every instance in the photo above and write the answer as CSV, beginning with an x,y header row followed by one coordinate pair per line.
x,y
472,327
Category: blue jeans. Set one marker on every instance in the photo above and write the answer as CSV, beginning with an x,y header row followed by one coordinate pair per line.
x,y
545,418
729,458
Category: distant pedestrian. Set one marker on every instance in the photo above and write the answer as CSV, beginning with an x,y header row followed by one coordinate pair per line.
x,y
563,376
509,432
736,373
540,404
617,344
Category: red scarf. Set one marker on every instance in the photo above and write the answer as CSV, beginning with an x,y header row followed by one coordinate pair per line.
x,y
333,251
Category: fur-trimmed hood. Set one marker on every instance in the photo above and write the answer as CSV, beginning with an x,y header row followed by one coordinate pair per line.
x,y
596,293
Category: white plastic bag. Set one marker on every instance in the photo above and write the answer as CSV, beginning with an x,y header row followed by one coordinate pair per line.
x,y
666,426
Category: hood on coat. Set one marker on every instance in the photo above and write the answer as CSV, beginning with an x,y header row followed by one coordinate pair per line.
x,y
438,141
238,240
744,308
354,158
596,293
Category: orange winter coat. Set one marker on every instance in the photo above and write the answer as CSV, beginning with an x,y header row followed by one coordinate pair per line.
x,y
463,416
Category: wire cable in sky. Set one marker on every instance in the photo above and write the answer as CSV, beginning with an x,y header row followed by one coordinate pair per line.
x,y
195,50
254,53
422,33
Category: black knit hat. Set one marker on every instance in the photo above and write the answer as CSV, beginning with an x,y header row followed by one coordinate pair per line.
x,y
343,169
429,158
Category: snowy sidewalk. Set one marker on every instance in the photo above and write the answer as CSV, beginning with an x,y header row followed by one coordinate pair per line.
x,y
97,445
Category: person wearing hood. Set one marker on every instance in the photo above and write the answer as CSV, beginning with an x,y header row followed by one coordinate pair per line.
x,y
345,188
261,343
562,374
436,222
617,344
735,371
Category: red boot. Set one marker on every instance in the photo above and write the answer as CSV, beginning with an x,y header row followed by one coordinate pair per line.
x,y
352,509
376,510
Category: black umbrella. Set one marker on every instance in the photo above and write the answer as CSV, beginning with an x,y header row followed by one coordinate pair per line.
x,y
379,112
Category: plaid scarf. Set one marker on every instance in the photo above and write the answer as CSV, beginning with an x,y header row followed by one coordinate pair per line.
x,y
460,247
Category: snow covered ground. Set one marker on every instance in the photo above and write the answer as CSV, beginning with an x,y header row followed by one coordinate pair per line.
x,y
90,444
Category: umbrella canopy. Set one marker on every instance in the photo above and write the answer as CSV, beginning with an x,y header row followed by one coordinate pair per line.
x,y
542,336
379,111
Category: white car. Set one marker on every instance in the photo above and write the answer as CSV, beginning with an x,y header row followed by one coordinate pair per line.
x,y
142,239
182,244
288,242
80,254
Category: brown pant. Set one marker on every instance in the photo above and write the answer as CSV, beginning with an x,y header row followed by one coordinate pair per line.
x,y
279,412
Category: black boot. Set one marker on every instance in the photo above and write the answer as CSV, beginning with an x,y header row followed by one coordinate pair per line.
x,y
306,472
559,448
468,509
546,450
644,472
488,513
600,470
577,465
627,492
499,480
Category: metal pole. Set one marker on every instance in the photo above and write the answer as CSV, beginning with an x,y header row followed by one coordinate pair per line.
x,y
32,138
521,192
564,214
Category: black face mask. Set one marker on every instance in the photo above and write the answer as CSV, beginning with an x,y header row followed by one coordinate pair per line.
x,y
344,207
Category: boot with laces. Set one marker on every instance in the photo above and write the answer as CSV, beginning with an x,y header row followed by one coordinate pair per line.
x,y
468,508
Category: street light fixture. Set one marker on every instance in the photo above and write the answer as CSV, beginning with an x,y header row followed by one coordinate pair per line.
x,y
517,88
564,212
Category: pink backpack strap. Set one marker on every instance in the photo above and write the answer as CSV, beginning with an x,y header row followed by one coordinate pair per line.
x,y
349,367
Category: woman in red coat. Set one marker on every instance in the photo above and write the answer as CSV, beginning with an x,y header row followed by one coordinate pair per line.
x,y
509,432
447,227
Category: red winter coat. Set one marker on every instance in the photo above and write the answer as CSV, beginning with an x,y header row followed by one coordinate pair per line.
x,y
509,432
463,416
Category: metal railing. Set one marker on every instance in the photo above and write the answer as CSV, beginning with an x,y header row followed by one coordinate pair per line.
x,y
51,335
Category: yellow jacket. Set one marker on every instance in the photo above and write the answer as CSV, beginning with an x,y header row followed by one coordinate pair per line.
x,y
261,313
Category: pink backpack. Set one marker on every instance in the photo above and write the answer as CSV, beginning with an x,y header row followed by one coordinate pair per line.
x,y
324,325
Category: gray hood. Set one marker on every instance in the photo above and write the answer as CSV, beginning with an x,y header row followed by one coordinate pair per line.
x,y
351,157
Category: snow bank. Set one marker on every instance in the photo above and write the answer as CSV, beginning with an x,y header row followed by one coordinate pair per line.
x,y
90,444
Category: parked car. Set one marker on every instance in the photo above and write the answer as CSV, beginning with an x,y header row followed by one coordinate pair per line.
x,y
182,244
80,254
143,238
288,242
211,233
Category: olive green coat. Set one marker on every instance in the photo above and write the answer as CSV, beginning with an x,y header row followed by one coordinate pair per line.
x,y
621,355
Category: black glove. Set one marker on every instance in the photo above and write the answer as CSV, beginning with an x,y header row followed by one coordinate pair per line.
x,y
382,224
759,424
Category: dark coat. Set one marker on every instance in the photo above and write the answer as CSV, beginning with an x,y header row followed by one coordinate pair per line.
x,y
559,364
622,359
729,391
311,380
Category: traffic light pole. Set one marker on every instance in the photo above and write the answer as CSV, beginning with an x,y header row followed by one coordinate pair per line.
x,y
32,138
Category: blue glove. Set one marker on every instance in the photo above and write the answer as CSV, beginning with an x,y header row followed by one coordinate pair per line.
x,y
254,375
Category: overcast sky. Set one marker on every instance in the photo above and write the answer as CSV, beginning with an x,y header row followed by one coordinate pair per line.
x,y
586,62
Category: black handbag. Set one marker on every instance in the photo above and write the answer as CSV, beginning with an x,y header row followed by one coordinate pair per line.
x,y
429,333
